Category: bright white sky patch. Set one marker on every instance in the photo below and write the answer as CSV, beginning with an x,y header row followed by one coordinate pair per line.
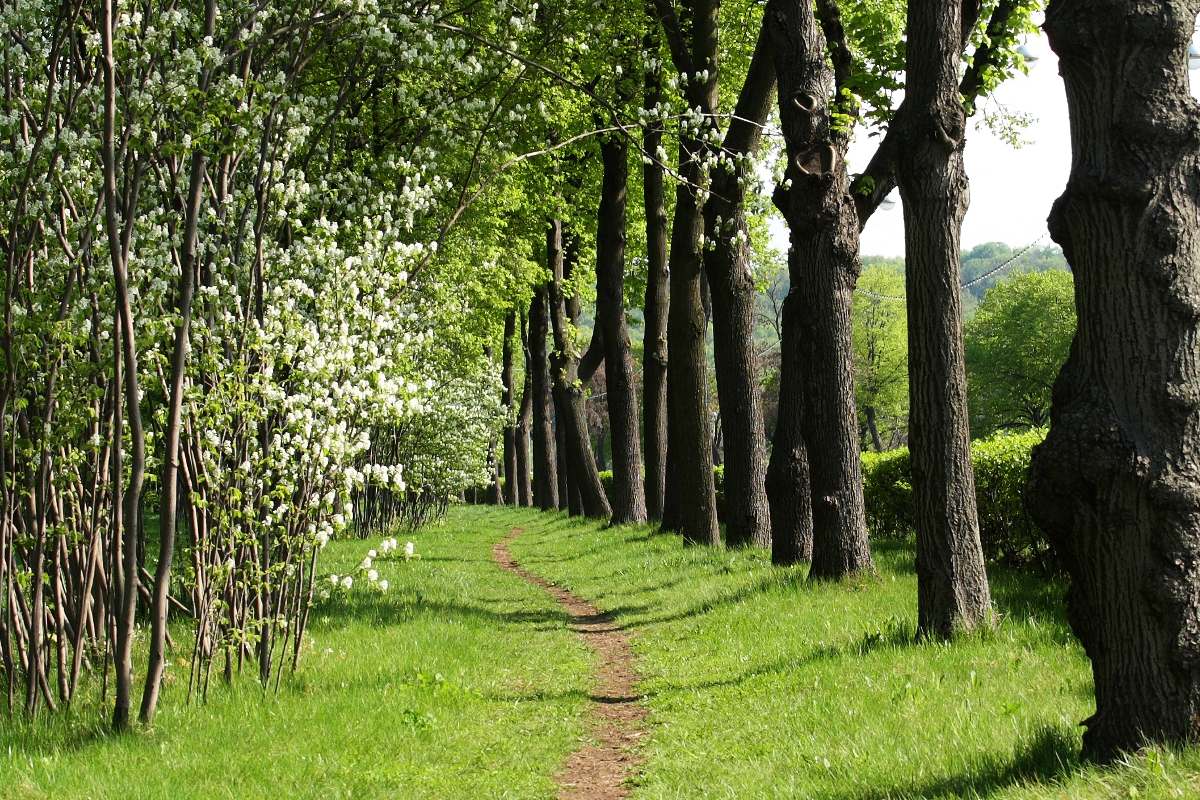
x,y
1012,189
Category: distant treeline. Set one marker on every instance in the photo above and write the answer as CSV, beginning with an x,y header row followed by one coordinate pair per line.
x,y
982,258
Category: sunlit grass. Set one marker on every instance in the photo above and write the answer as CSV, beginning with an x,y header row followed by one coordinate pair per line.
x,y
763,685
462,681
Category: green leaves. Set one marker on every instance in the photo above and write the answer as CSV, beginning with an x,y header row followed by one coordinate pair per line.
x,y
1015,345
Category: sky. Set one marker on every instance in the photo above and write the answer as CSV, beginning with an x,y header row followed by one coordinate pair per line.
x,y
1011,189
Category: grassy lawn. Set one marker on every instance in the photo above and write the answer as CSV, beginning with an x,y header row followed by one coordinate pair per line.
x,y
462,681
761,685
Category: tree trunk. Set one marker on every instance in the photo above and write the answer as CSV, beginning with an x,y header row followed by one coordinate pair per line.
x,y
823,266
787,472
873,428
125,338
564,364
510,430
169,491
1116,485
545,460
654,341
565,486
628,499
524,415
734,310
691,437
671,511
495,495
952,587
689,429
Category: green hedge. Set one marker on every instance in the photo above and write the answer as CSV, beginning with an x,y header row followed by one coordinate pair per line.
x,y
1001,469
606,478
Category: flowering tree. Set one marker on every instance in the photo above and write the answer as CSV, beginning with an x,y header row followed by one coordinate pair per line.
x,y
222,285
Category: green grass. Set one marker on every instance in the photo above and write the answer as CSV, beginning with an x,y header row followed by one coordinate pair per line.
x,y
762,685
434,690
463,682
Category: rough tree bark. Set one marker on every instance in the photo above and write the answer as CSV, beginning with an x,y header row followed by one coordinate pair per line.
x,y
787,471
545,456
509,447
952,586
654,310
628,500
565,487
734,299
564,366
1116,485
689,428
823,266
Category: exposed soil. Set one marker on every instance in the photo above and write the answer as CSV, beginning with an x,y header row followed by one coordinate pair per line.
x,y
600,768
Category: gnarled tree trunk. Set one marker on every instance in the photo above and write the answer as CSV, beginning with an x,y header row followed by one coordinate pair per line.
x,y
1116,484
823,265
952,586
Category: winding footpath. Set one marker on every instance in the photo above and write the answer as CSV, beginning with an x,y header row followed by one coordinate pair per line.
x,y
600,769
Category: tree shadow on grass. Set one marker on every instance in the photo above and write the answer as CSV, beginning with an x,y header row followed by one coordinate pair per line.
x,y
871,641
765,582
83,731
384,611
1044,758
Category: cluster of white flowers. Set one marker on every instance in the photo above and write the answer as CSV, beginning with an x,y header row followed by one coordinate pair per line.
x,y
329,363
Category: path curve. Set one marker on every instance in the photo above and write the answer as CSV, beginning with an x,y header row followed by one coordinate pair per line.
x,y
599,769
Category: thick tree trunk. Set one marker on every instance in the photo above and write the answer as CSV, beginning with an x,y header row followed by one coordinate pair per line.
x,y
564,365
734,300
565,487
509,449
1116,485
654,341
628,499
787,473
823,265
545,456
671,511
689,429
952,587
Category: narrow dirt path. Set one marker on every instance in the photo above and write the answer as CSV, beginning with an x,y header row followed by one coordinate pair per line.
x,y
599,769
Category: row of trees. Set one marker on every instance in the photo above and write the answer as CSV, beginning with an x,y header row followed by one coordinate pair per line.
x,y
263,259
1115,505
